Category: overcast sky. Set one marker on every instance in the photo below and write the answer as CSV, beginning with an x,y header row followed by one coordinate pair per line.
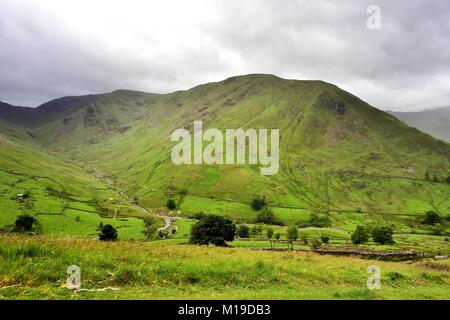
x,y
50,49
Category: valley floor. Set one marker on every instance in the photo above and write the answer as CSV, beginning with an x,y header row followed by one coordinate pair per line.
x,y
34,267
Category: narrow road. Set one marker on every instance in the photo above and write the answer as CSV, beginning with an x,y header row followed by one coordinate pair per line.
x,y
168,220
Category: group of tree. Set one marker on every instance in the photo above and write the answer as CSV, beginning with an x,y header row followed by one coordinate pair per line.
x,y
435,220
379,234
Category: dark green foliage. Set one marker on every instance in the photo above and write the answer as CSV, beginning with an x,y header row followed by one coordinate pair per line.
x,y
277,236
266,216
24,223
325,239
258,203
243,231
292,233
256,231
213,229
382,235
360,235
437,229
320,220
171,205
316,243
269,233
108,233
432,218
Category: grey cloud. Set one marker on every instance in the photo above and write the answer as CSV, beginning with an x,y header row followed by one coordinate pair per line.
x,y
403,66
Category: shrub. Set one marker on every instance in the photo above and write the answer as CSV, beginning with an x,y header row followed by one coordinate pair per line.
x,y
266,216
437,229
243,231
256,231
277,236
171,205
304,238
325,239
360,235
108,233
316,243
269,233
213,229
320,220
382,235
431,218
258,203
292,233
24,223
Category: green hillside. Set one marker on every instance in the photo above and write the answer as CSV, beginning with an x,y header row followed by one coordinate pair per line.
x,y
338,155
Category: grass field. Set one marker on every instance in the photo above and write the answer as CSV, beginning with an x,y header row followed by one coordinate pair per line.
x,y
34,267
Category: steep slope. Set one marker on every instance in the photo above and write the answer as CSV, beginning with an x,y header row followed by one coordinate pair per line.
x,y
435,121
337,153
66,198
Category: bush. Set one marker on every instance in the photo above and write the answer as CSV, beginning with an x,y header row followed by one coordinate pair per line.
x,y
171,205
277,236
360,235
382,235
437,229
258,203
243,231
256,231
316,243
108,233
320,220
325,239
266,216
213,229
269,233
292,233
304,238
432,218
24,223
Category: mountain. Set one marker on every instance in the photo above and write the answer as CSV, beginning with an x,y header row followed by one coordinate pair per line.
x,y
47,112
338,154
432,121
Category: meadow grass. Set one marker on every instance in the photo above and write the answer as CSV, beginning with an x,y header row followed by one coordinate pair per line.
x,y
34,268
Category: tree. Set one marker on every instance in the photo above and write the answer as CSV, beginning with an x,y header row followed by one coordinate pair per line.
x,y
171,205
108,233
432,218
24,223
213,229
304,238
243,231
269,233
382,235
266,216
325,239
292,233
277,236
258,203
360,235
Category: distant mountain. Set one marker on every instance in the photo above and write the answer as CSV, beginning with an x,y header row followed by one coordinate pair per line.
x,y
435,122
47,112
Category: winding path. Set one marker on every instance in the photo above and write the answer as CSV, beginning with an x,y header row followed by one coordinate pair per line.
x,y
168,220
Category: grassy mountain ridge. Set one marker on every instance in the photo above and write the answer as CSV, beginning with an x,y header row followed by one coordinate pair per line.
x,y
337,153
